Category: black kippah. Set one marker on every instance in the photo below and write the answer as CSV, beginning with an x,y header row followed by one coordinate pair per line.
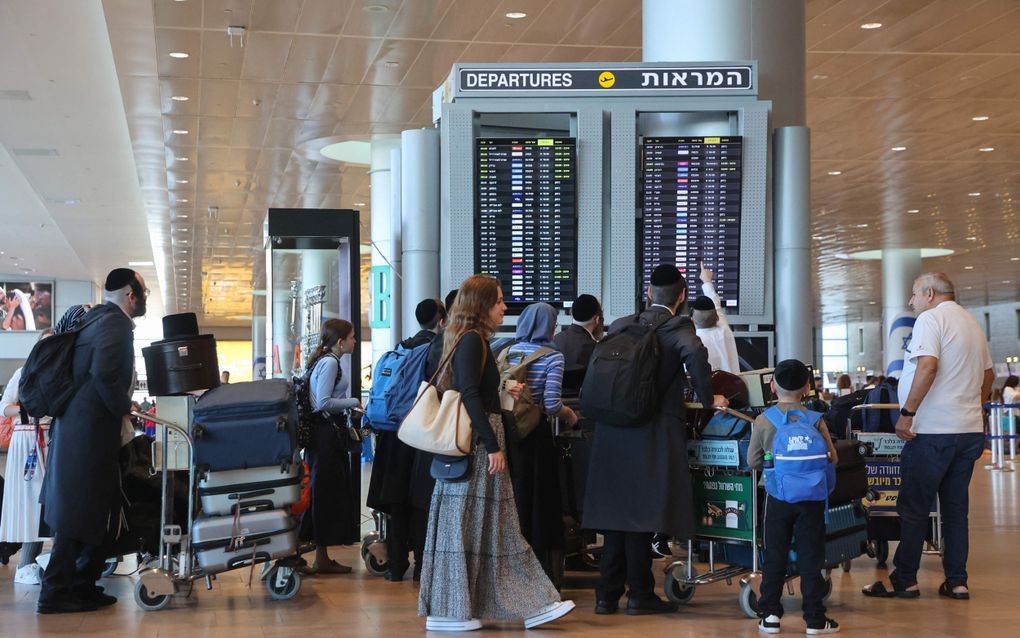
x,y
703,303
118,278
426,311
665,275
585,308
791,375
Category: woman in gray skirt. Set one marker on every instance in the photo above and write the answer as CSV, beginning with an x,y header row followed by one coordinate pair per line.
x,y
476,563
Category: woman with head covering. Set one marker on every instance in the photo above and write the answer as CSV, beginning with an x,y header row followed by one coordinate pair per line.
x,y
533,458
26,466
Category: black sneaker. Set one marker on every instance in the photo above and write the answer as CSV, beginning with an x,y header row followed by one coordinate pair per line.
x,y
606,607
769,624
95,595
829,626
68,603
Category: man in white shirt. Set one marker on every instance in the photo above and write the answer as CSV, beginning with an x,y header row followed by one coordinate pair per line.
x,y
947,375
712,327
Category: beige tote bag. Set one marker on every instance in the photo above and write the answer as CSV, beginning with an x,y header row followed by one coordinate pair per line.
x,y
438,423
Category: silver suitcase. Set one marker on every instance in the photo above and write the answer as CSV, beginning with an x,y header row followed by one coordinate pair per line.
x,y
260,536
258,488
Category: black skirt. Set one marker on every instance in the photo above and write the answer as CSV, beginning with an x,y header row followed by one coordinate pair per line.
x,y
333,515
391,472
534,468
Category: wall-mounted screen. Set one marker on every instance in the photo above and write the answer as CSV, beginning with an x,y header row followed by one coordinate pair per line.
x,y
26,305
689,195
526,217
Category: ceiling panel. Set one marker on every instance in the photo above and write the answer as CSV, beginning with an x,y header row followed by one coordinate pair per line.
x,y
323,16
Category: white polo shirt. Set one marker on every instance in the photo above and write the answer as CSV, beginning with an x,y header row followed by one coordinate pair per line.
x,y
953,336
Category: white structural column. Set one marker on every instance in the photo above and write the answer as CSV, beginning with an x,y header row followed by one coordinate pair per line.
x,y
385,239
419,185
769,31
792,256
900,267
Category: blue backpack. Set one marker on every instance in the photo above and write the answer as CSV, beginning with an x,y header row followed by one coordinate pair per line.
x,y
395,386
801,470
881,420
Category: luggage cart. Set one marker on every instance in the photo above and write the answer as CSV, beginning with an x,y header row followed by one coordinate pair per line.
x,y
174,569
373,546
883,465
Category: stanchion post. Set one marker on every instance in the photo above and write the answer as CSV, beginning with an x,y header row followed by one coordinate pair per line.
x,y
994,426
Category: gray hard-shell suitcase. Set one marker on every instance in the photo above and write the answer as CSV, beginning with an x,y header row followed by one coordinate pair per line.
x,y
258,488
262,536
245,425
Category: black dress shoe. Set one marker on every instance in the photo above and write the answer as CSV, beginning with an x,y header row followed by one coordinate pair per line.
x,y
394,577
95,595
606,607
653,605
65,604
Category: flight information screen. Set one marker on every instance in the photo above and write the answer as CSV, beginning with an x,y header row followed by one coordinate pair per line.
x,y
690,200
526,209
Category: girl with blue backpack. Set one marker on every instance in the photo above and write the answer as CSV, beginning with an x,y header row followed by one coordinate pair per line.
x,y
791,445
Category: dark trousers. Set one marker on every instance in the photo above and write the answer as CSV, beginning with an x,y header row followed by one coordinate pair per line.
x,y
935,465
626,560
783,521
398,538
419,530
73,565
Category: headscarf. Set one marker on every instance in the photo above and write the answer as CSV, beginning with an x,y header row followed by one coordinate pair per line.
x,y
71,319
537,324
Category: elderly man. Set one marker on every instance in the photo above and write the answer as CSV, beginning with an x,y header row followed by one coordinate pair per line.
x,y
947,375
81,495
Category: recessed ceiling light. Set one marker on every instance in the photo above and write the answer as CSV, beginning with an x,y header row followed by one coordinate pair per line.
x,y
972,239
139,263
872,303
980,118
968,267
183,159
183,241
968,287
180,131
179,98
1006,281
819,76
835,172
913,210
516,15
1011,258
182,217
898,148
375,8
182,181
862,225
871,25
391,63
180,55
986,149
974,194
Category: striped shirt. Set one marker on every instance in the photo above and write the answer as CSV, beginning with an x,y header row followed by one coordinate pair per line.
x,y
545,375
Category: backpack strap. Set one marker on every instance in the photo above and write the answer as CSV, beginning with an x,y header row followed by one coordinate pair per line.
x,y
540,352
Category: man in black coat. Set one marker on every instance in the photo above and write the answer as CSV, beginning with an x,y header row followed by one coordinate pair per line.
x,y
638,479
577,341
81,495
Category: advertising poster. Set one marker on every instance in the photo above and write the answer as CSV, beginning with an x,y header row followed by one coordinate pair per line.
x,y
26,306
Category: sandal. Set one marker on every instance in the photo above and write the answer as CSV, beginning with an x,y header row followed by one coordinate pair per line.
x,y
947,591
878,590
332,567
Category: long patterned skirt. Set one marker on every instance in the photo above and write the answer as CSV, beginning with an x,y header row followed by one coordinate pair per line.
x,y
477,564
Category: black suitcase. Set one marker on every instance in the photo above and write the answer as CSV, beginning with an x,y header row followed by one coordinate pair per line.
x,y
179,366
851,473
244,425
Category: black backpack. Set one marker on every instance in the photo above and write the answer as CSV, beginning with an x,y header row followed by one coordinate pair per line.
x,y
841,413
47,378
308,418
621,385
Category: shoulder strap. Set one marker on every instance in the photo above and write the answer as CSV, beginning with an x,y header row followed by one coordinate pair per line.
x,y
774,415
539,352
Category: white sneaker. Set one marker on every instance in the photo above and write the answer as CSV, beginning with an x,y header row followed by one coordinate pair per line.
x,y
42,560
437,623
30,574
549,613
769,624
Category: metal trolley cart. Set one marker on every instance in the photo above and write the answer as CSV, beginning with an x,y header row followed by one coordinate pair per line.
x,y
883,466
373,546
175,568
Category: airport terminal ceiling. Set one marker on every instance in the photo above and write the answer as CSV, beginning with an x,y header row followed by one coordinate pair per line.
x,y
937,80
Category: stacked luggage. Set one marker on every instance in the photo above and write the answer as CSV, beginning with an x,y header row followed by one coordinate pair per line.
x,y
249,474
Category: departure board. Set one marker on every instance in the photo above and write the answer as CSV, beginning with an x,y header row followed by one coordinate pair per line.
x,y
690,199
526,209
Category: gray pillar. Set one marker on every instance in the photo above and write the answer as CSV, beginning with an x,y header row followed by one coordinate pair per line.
x,y
419,185
771,32
792,211
900,267
384,240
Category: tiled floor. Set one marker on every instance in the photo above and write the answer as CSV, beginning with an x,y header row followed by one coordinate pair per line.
x,y
362,605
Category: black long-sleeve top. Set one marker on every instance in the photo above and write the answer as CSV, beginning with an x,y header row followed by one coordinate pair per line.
x,y
478,387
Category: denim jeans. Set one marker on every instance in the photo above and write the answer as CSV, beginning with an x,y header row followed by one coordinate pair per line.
x,y
935,465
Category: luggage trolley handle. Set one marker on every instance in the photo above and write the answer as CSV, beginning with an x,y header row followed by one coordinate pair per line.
x,y
183,432
869,406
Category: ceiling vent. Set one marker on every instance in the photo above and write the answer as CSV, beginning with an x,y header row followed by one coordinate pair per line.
x,y
8,94
36,152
